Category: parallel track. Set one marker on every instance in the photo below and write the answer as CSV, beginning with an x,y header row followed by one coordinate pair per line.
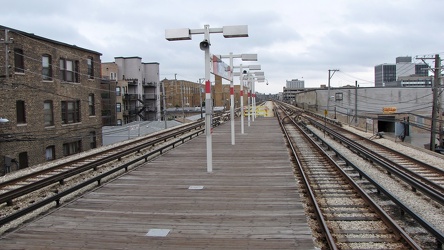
x,y
347,216
25,184
419,175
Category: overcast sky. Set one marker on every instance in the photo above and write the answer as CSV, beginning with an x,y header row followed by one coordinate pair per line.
x,y
293,38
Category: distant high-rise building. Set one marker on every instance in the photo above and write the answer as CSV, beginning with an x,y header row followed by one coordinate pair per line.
x,y
422,69
291,88
384,73
403,59
295,84
394,74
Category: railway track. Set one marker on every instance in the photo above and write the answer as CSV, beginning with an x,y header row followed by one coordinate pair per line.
x,y
420,215
25,184
346,215
419,175
21,196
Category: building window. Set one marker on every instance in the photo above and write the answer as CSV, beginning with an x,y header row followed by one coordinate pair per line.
x,y
113,76
50,153
338,96
118,91
23,160
48,113
91,104
105,95
69,70
119,122
19,61
118,107
46,68
90,63
92,139
420,120
71,148
21,112
70,112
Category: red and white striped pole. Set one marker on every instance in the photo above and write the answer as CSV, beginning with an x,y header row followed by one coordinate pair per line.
x,y
208,104
253,101
232,101
249,100
241,80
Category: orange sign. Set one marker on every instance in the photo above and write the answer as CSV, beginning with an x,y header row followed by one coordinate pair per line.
x,y
389,110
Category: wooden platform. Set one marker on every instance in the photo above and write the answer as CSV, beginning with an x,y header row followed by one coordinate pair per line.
x,y
249,201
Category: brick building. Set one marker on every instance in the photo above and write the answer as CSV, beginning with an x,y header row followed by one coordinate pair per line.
x,y
177,90
50,93
109,98
193,93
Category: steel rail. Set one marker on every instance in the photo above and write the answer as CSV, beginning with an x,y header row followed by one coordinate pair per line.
x,y
439,236
317,210
18,192
426,186
384,216
149,143
57,197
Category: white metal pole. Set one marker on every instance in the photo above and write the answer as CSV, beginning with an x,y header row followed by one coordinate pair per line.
x,y
200,97
249,99
185,34
208,103
182,97
253,98
164,104
241,80
232,101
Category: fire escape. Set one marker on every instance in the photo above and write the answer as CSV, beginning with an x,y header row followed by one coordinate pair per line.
x,y
142,106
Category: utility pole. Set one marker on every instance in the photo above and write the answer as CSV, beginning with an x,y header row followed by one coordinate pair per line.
x,y
329,78
436,108
182,97
164,106
6,42
439,110
356,102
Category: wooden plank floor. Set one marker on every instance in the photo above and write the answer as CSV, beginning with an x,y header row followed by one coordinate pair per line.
x,y
249,201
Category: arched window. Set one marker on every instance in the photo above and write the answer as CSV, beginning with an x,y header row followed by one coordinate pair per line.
x,y
47,67
48,113
21,114
90,62
70,111
19,62
92,139
91,104
69,70
50,153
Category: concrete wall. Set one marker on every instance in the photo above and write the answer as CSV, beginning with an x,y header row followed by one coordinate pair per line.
x,y
414,103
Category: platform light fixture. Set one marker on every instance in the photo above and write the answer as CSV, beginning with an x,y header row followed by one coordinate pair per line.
x,y
185,34
244,73
260,77
231,56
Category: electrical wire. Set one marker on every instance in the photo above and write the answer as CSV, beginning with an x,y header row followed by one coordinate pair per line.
x,y
356,78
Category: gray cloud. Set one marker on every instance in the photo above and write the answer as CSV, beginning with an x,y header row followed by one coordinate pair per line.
x,y
293,39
